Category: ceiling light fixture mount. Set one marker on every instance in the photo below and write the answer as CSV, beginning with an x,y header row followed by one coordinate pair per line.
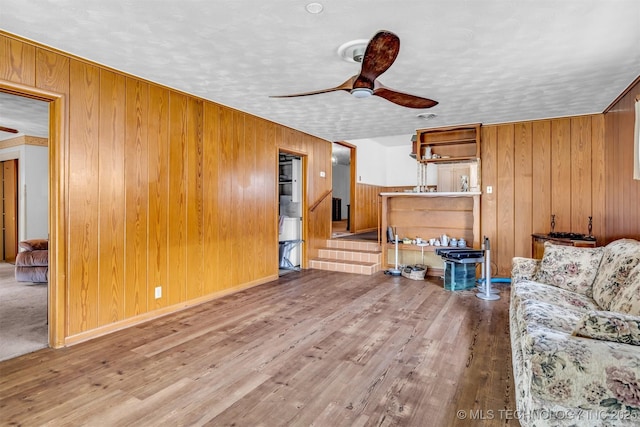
x,y
314,8
426,116
353,51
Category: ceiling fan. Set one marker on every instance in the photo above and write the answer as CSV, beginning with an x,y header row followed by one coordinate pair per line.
x,y
380,53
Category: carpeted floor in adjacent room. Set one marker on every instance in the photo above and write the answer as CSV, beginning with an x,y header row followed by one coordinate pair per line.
x,y
23,315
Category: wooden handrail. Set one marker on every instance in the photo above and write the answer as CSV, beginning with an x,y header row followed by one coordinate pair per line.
x,y
324,196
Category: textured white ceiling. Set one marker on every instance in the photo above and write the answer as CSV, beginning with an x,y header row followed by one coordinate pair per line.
x,y
27,116
486,61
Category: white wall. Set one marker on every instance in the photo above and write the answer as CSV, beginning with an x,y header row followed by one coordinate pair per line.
x,y
33,187
341,188
402,170
36,191
385,166
369,161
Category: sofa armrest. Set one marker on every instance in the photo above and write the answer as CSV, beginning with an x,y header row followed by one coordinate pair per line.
x,y
34,244
523,269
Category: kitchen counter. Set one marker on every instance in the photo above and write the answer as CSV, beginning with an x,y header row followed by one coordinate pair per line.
x,y
428,215
434,194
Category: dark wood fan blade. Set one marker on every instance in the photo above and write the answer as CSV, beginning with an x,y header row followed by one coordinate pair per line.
x,y
348,85
10,130
380,53
404,99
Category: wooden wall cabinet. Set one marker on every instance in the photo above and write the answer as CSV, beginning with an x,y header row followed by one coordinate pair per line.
x,y
448,144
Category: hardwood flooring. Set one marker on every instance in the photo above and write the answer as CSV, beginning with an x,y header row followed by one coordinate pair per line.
x,y
312,348
339,226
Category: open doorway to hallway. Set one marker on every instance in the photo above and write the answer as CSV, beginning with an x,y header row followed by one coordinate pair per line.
x,y
343,185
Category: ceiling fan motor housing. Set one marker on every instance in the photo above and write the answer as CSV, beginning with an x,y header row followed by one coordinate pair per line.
x,y
358,53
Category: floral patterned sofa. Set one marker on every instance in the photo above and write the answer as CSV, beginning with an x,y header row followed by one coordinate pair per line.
x,y
575,335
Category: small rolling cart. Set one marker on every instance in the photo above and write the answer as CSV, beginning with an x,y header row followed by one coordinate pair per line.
x,y
460,269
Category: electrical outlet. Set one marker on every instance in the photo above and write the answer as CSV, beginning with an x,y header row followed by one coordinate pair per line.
x,y
158,292
489,189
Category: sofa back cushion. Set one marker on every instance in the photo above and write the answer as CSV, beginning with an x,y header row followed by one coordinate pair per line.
x,y
627,300
570,268
34,244
620,258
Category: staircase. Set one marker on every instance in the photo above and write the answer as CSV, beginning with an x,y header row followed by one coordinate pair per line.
x,y
349,256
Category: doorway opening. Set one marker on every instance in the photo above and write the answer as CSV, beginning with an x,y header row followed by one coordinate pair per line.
x,y
290,208
24,156
343,212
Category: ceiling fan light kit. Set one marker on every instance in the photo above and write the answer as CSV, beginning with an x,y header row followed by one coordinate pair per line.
x,y
361,92
426,116
380,53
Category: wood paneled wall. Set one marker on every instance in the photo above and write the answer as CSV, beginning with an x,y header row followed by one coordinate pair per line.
x,y
367,207
162,189
538,169
622,191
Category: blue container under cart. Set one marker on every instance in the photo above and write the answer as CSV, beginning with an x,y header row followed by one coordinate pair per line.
x,y
460,267
458,276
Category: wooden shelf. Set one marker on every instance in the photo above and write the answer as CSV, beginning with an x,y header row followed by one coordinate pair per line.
x,y
429,215
449,159
455,144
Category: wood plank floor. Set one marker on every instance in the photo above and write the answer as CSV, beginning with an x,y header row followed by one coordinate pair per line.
x,y
313,348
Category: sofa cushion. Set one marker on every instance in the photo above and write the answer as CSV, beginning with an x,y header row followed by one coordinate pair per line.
x,y
609,326
536,315
619,259
582,373
570,268
627,300
528,290
34,244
